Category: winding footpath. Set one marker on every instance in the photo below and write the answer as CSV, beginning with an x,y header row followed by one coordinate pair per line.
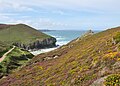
x,y
4,56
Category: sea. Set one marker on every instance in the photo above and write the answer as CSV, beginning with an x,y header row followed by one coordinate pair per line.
x,y
63,37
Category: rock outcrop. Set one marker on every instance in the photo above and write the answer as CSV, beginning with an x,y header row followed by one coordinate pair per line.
x,y
38,44
89,32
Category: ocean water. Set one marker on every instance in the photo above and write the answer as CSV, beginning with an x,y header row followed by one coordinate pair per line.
x,y
63,37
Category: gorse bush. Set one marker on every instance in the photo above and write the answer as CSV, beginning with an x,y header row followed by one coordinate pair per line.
x,y
117,37
112,80
113,55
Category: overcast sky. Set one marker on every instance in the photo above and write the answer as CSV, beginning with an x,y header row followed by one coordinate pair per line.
x,y
62,14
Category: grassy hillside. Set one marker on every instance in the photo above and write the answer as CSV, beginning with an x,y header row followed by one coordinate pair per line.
x,y
3,48
91,60
20,33
18,57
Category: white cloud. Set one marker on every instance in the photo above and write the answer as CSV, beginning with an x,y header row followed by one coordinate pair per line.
x,y
47,23
13,6
108,11
38,23
9,14
106,5
3,17
60,12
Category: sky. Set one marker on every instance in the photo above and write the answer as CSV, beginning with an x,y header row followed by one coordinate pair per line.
x,y
62,14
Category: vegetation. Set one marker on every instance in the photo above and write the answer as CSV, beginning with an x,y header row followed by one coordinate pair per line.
x,y
20,33
14,59
22,36
117,37
79,63
112,80
3,48
113,55
25,37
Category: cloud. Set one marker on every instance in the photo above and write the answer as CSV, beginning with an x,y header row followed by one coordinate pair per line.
x,y
47,23
105,5
9,14
38,23
3,17
61,13
6,6
78,5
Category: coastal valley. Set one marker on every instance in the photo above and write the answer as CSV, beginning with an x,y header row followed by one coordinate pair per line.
x,y
15,41
90,60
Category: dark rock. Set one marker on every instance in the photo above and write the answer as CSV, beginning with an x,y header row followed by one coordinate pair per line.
x,y
38,44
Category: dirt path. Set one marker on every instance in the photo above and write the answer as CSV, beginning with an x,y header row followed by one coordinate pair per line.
x,y
3,57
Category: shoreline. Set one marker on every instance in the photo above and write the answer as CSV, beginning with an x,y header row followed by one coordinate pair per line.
x,y
40,51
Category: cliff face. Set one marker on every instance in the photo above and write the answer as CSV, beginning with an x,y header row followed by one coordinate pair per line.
x,y
38,44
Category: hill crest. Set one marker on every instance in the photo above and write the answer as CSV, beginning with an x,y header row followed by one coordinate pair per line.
x,y
25,37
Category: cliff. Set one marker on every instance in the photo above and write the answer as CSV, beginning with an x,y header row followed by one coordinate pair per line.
x,y
93,60
26,37
38,44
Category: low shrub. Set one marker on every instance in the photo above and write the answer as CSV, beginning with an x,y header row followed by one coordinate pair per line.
x,y
112,80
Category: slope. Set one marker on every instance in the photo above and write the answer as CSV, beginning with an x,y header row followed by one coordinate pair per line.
x,y
3,48
80,63
25,36
13,59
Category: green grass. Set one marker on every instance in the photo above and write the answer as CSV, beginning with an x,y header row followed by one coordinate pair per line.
x,y
21,33
13,60
3,48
